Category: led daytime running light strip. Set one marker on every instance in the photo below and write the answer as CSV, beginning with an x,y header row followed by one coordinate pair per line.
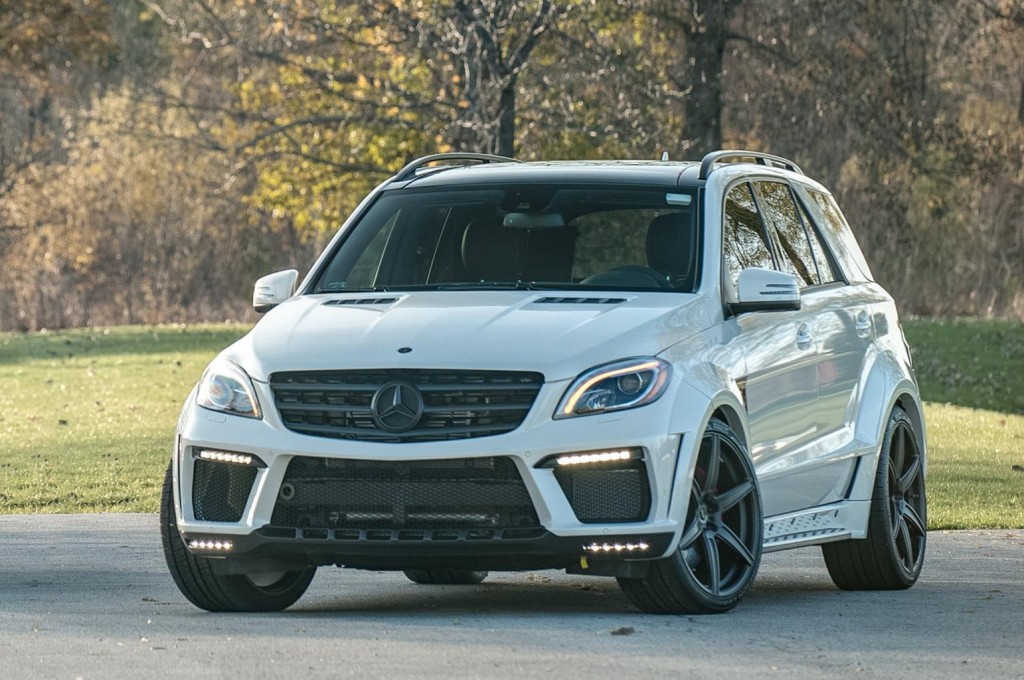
x,y
570,406
210,545
616,547
603,457
225,457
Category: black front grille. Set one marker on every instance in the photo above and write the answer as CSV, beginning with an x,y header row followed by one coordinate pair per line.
x,y
456,404
607,493
383,496
220,490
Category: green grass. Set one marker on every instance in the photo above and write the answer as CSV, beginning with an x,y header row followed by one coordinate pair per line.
x,y
969,363
87,416
971,375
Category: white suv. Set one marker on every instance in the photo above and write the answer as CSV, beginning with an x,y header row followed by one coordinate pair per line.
x,y
654,371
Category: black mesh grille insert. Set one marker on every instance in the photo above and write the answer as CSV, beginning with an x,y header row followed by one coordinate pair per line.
x,y
220,490
456,404
478,493
601,494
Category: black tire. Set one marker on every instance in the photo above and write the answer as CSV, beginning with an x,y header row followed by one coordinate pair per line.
x,y
890,557
447,577
216,592
720,549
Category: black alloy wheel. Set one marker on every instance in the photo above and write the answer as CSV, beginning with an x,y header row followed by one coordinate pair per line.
x,y
720,548
207,588
891,556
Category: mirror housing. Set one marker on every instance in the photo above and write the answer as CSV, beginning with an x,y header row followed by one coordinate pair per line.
x,y
765,290
273,289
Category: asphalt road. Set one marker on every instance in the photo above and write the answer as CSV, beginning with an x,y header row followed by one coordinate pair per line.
x,y
88,596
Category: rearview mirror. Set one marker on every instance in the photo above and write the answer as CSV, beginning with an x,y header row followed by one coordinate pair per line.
x,y
765,290
533,220
273,289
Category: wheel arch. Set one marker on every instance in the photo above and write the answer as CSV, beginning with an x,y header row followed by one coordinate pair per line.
x,y
724,406
888,385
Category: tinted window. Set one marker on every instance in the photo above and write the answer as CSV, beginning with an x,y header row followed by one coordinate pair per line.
x,y
825,271
524,236
743,243
614,238
794,248
837,232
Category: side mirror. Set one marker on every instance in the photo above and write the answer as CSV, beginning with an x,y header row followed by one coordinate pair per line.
x,y
765,290
273,289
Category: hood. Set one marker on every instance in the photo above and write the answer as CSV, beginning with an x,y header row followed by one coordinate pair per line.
x,y
556,333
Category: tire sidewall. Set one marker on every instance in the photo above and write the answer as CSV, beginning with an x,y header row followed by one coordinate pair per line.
x,y
880,501
682,571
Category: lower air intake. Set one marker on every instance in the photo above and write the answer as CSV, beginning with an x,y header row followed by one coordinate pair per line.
x,y
477,493
220,490
601,494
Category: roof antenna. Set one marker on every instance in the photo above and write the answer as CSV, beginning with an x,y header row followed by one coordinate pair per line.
x,y
664,155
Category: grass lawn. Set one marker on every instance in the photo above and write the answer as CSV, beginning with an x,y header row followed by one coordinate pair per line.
x,y
87,416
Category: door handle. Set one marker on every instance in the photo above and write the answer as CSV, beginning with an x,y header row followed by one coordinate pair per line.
x,y
863,324
804,338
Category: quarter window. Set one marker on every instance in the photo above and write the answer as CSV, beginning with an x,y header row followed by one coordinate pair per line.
x,y
838,233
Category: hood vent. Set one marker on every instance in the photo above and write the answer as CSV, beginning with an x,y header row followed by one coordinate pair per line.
x,y
579,301
362,301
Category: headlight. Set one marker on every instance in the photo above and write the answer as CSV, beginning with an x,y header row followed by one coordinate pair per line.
x,y
225,387
624,384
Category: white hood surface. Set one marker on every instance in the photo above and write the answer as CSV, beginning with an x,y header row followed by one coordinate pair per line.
x,y
493,330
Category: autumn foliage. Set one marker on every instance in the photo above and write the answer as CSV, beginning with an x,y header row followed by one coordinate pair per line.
x,y
156,156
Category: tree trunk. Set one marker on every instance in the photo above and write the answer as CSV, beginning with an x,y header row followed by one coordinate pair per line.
x,y
507,119
705,48
1020,106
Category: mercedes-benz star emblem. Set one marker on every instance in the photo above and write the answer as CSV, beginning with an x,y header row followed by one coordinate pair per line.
x,y
397,407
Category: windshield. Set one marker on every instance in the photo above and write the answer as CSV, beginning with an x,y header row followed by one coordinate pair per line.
x,y
520,236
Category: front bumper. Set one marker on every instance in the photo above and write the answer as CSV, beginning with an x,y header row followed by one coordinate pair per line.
x,y
559,538
395,549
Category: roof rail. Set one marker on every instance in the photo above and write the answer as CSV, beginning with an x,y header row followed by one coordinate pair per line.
x,y
708,164
410,170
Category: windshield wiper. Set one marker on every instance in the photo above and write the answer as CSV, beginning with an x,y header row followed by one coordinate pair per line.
x,y
488,285
335,288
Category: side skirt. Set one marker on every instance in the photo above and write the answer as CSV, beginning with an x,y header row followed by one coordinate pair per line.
x,y
823,524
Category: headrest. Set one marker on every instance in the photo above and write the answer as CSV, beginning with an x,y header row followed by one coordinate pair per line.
x,y
670,245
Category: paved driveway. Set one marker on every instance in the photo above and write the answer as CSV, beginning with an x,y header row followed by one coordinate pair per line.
x,y
88,596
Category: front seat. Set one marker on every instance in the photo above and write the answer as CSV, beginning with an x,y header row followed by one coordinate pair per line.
x,y
670,245
669,250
